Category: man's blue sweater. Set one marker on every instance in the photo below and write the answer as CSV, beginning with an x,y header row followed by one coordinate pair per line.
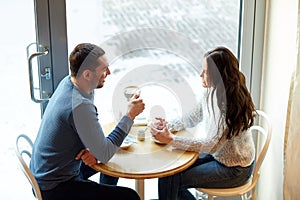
x,y
70,124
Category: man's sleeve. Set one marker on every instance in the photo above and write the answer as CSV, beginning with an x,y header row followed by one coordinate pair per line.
x,y
86,123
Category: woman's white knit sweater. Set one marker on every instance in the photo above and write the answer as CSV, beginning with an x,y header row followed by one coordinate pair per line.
x,y
238,151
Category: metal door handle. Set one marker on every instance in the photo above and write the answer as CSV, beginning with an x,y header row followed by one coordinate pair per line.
x,y
46,74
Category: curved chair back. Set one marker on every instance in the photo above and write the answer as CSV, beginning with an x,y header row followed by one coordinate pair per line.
x,y
24,147
265,129
262,133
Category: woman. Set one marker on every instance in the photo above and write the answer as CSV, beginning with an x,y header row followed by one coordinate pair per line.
x,y
226,112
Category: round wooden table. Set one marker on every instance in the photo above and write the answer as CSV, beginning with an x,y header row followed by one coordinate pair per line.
x,y
146,159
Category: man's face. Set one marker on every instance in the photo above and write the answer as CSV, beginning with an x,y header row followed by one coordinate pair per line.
x,y
100,73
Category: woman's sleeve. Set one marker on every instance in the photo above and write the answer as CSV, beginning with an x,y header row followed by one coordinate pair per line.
x,y
189,120
208,145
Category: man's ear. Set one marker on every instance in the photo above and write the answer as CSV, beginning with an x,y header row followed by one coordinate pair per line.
x,y
86,74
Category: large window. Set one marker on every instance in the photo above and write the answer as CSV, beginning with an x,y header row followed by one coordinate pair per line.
x,y
157,45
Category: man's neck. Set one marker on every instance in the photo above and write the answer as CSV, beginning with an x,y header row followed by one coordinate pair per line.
x,y
81,85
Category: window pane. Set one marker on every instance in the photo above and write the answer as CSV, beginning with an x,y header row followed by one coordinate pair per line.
x,y
207,22
154,43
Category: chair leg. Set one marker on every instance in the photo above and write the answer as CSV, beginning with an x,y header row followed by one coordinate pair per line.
x,y
197,195
210,197
254,193
244,197
200,195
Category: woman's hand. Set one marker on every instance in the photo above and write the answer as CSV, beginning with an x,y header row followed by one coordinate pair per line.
x,y
160,132
87,157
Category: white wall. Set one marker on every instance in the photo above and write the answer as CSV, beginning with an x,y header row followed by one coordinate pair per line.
x,y
280,60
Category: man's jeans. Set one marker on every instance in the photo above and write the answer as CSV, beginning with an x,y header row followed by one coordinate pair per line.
x,y
81,188
86,172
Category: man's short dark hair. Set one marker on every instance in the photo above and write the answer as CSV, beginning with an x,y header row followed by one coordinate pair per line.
x,y
84,56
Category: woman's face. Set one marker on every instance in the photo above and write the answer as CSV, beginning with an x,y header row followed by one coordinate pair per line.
x,y
204,75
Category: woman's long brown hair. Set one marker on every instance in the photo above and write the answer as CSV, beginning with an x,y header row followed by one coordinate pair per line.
x,y
233,98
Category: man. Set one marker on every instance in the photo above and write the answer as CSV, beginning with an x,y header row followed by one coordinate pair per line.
x,y
70,126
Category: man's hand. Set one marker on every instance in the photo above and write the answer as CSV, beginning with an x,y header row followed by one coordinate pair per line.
x,y
135,106
87,157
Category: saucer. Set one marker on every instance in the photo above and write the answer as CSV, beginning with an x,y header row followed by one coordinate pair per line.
x,y
156,141
128,141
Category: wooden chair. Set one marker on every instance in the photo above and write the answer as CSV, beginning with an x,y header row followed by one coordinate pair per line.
x,y
21,150
246,191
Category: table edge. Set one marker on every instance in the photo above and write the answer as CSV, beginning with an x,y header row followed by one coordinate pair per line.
x,y
103,169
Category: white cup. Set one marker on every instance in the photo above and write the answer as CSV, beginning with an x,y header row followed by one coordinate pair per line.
x,y
129,91
141,135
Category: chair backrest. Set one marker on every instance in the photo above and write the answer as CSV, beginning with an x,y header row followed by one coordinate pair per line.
x,y
24,147
263,132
